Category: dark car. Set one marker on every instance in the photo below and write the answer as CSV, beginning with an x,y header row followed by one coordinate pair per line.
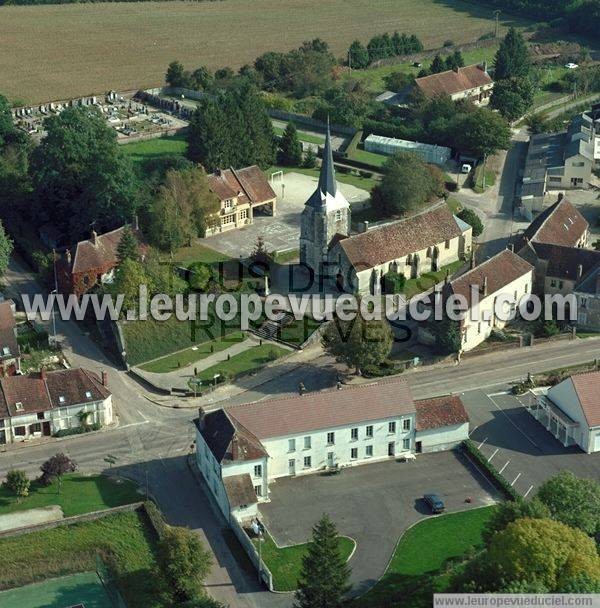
x,y
436,504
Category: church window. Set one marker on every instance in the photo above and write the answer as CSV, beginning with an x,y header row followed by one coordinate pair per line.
x,y
429,252
408,260
338,215
447,244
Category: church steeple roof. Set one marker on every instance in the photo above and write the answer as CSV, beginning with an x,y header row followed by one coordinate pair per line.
x,y
327,184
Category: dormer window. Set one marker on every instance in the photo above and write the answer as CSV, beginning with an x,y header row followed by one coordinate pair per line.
x,y
88,394
61,399
228,203
19,406
5,350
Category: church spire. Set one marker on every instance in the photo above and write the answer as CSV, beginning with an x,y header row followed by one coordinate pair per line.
x,y
327,183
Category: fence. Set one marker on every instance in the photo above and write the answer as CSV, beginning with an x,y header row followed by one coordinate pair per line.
x,y
250,549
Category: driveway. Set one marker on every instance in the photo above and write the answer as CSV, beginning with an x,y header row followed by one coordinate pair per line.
x,y
281,232
521,446
373,504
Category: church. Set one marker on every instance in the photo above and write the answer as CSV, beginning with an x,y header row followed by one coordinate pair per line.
x,y
358,263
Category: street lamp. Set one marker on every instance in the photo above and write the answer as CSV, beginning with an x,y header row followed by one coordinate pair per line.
x,y
259,529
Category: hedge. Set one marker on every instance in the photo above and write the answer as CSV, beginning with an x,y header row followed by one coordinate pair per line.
x,y
78,430
490,470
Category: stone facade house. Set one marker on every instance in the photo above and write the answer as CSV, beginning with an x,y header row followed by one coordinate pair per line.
x,y
471,82
241,193
242,449
10,353
587,293
93,263
41,404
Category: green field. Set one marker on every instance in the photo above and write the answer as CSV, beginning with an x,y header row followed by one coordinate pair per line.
x,y
427,280
126,542
365,183
78,494
302,136
370,158
191,355
160,148
417,568
83,588
63,51
285,563
244,362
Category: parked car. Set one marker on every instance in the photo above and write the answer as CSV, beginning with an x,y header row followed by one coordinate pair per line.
x,y
466,168
436,504
571,66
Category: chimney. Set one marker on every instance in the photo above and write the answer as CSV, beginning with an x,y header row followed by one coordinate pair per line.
x,y
512,247
339,386
201,418
484,66
43,373
484,287
579,271
560,196
104,376
94,237
455,69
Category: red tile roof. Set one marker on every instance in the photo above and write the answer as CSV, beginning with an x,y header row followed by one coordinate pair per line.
x,y
250,185
559,224
8,338
38,394
330,408
397,240
100,252
587,388
500,270
441,411
451,82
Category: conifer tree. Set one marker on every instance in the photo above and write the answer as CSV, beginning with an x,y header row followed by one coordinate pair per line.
x,y
127,249
437,65
512,58
290,146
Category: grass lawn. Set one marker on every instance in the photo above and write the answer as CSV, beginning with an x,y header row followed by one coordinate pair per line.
x,y
126,540
427,280
246,361
588,334
198,253
193,354
78,494
490,179
365,183
288,255
416,570
298,332
302,136
454,205
141,152
285,563
370,158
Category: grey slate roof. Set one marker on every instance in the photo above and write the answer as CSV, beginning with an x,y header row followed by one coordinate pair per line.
x,y
327,184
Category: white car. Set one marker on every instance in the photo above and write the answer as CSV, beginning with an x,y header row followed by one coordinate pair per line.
x,y
466,168
571,66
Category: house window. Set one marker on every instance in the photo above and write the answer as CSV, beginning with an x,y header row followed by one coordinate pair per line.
x,y
244,214
526,288
354,453
583,302
560,284
35,428
40,415
369,451
258,470
5,350
258,490
307,442
553,283
406,443
406,424
307,462
330,438
338,215
392,427
229,219
228,204
369,431
291,445
579,164
354,434
20,431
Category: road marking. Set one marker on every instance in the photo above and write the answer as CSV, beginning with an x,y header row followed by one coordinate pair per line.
x,y
515,479
482,443
530,488
499,393
495,452
502,469
142,416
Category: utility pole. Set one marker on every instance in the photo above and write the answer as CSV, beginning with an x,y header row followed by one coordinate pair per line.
x,y
496,15
350,60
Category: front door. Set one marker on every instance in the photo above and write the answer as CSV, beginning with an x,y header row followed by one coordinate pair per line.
x,y
2,437
418,447
292,466
391,448
330,458
46,429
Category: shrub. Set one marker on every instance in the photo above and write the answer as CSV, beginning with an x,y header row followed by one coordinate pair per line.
x,y
394,282
78,430
17,483
448,43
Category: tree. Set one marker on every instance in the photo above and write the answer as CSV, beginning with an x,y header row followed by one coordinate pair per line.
x,y
407,183
470,217
201,78
447,335
81,176
573,501
455,61
290,147
512,58
185,562
358,56
437,65
579,583
482,132
512,97
128,247
542,550
17,483
129,275
398,81
6,248
200,275
359,343
55,467
324,576
510,510
347,105
310,159
176,75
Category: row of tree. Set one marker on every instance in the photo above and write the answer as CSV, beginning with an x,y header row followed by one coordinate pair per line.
x,y
381,47
439,64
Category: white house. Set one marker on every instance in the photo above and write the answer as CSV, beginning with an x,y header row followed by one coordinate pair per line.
x,y
39,405
570,410
505,274
241,449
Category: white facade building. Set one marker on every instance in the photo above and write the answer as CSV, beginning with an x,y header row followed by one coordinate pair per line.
x,y
241,449
41,405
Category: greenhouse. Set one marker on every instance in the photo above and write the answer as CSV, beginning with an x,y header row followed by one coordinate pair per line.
x,y
437,155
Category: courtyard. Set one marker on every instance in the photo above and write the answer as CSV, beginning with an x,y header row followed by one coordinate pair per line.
x,y
282,232
373,504
519,446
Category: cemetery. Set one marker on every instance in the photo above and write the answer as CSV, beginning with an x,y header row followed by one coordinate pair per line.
x,y
131,116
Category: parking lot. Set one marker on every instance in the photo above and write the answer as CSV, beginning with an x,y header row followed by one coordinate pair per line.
x,y
373,504
519,446
280,233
